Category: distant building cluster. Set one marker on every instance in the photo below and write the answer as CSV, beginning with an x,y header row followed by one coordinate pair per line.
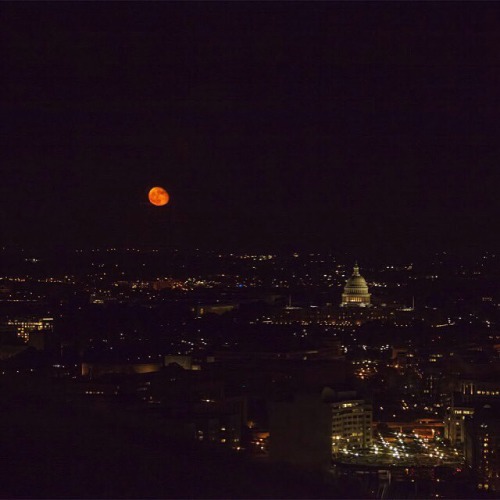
x,y
291,359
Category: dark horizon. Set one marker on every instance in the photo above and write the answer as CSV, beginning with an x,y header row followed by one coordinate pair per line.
x,y
356,127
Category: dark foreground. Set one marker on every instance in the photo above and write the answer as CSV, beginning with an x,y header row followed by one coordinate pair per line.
x,y
54,449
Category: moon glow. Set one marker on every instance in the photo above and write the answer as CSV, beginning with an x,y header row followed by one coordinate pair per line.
x,y
158,196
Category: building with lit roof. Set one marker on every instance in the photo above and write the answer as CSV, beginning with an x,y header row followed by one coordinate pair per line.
x,y
356,291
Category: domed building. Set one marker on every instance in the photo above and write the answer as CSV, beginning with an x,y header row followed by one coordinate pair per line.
x,y
356,291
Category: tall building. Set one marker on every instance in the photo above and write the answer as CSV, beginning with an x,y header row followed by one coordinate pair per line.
x,y
356,291
482,447
308,427
454,423
351,424
473,394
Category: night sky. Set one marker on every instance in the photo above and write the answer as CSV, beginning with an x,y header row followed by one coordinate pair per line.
x,y
365,127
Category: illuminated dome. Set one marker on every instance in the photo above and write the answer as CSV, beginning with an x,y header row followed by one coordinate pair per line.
x,y
356,291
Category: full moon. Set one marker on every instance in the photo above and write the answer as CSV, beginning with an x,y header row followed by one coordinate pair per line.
x,y
158,196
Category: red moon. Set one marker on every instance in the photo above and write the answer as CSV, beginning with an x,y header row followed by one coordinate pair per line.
x,y
158,196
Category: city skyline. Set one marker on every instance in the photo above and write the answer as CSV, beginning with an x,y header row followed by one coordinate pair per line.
x,y
382,377
249,250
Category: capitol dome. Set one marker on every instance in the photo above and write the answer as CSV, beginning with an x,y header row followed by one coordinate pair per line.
x,y
356,291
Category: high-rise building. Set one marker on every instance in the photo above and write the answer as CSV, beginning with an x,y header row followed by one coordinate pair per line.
x,y
356,291
308,428
351,424
482,447
454,423
473,394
